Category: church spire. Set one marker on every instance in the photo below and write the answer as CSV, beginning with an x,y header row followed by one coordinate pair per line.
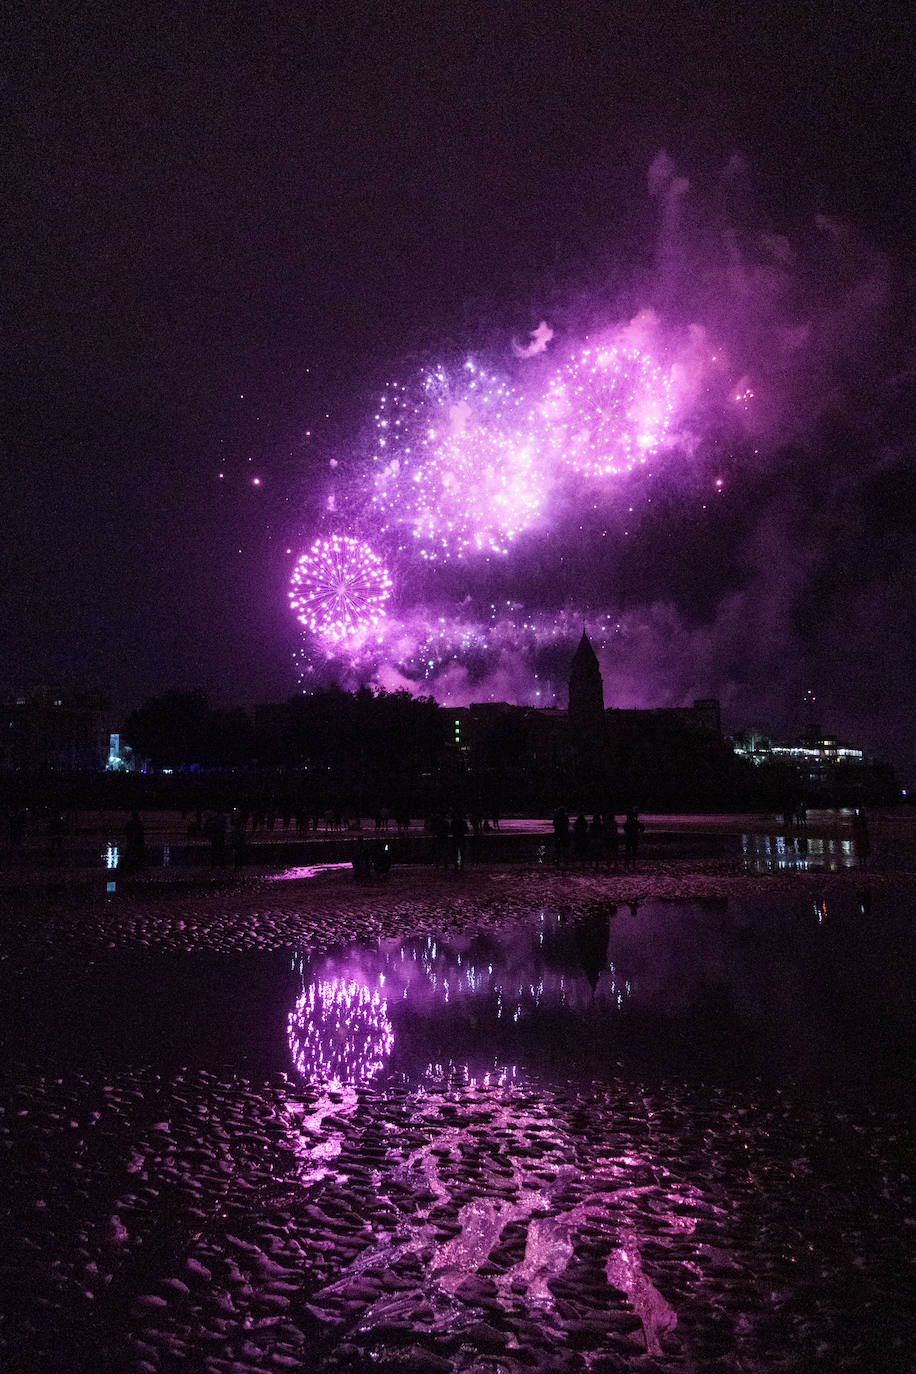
x,y
586,690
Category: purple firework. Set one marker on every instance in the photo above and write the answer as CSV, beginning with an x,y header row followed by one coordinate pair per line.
x,y
339,589
457,470
608,409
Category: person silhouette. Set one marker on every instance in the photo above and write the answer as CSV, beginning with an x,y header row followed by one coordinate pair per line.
x,y
611,838
561,837
632,829
596,839
441,833
216,829
134,843
459,830
580,837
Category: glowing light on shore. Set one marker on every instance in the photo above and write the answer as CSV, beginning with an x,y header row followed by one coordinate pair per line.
x,y
339,589
608,409
458,471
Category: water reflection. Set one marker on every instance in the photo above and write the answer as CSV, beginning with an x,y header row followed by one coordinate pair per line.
x,y
797,853
467,1001
303,871
677,984
339,1031
592,937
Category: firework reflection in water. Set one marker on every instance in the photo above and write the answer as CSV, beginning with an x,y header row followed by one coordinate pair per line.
x,y
339,1031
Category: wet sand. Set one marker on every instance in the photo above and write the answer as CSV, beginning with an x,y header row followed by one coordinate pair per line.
x,y
177,1199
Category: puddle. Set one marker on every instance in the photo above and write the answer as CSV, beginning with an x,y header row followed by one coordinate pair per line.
x,y
652,1132
798,853
304,871
807,987
751,987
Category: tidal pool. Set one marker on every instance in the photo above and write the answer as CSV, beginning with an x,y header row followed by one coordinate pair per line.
x,y
657,1135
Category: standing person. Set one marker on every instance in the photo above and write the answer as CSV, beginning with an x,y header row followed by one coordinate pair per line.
x,y
611,838
362,866
596,839
632,829
56,832
580,837
216,829
861,839
237,841
441,834
561,837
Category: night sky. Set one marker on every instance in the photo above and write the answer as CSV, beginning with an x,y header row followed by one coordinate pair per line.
x,y
226,228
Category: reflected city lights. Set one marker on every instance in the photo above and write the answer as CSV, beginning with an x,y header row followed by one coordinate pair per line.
x,y
797,854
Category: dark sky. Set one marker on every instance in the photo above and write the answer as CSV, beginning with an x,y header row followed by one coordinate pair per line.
x,y
223,223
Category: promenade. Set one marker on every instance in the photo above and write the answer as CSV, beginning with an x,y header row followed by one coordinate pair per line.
x,y
95,842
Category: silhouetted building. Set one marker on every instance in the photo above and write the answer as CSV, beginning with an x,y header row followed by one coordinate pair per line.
x,y
586,692
52,731
596,743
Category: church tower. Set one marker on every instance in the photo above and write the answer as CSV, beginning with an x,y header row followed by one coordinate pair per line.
x,y
586,692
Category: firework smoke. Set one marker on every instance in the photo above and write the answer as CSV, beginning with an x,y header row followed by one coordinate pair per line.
x,y
670,481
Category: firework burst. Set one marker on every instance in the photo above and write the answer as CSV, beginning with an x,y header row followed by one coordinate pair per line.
x,y
339,589
456,466
608,409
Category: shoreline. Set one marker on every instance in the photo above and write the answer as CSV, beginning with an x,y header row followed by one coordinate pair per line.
x,y
324,910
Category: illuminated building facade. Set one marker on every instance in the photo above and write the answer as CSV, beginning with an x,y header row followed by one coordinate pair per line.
x,y
826,768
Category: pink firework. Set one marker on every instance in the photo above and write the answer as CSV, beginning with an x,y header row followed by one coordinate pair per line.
x,y
608,409
457,470
339,589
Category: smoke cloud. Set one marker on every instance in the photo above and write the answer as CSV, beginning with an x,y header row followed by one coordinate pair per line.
x,y
759,553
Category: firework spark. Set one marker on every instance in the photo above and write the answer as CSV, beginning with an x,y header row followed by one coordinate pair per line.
x,y
457,467
608,409
339,589
463,462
